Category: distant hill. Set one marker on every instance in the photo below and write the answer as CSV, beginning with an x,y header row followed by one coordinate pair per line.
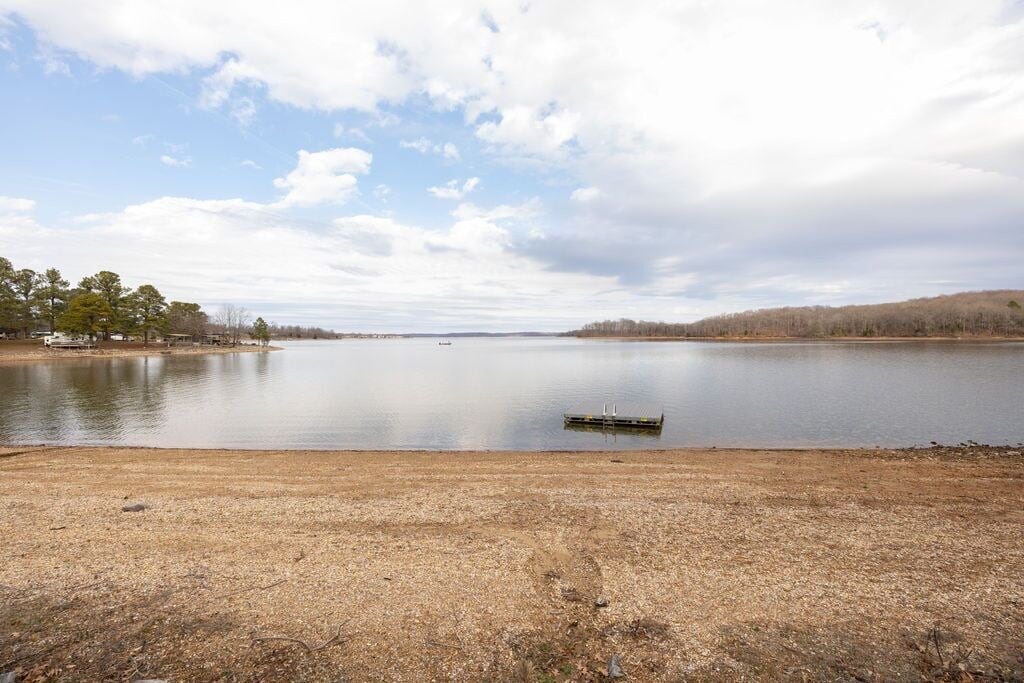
x,y
997,313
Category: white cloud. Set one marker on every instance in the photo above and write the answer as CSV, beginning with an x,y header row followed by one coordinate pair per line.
x,y
219,88
524,129
243,110
5,41
324,177
249,163
17,224
357,272
524,212
356,133
585,194
176,162
732,85
716,132
450,152
382,192
385,119
175,155
15,204
423,145
52,64
452,189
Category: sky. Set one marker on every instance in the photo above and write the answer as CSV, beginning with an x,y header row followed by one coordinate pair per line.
x,y
499,166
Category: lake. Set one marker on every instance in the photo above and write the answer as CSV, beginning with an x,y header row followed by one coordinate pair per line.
x,y
510,393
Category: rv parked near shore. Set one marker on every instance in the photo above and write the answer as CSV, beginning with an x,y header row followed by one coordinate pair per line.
x,y
59,339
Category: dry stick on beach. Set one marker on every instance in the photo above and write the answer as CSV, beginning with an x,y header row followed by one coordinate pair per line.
x,y
252,588
938,650
335,639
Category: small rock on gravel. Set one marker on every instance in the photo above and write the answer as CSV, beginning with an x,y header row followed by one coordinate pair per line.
x,y
601,601
8,677
571,595
137,507
614,669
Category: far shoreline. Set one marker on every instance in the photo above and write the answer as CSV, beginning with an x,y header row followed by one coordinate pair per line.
x,y
846,340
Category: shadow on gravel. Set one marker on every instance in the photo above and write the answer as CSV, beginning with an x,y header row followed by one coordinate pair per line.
x,y
854,652
92,633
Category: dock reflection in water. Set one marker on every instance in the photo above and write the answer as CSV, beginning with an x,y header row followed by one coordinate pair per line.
x,y
611,431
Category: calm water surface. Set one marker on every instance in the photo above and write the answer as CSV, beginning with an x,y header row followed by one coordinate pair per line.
x,y
511,393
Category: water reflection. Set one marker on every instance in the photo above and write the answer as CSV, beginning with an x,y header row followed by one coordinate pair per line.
x,y
611,434
511,393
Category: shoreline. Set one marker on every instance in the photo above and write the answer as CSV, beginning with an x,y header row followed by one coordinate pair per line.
x,y
840,340
705,564
44,355
915,451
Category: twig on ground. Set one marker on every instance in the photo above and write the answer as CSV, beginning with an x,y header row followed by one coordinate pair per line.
x,y
37,653
938,650
333,640
285,639
252,588
795,650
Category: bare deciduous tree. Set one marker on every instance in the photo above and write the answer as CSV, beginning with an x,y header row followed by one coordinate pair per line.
x,y
232,321
969,314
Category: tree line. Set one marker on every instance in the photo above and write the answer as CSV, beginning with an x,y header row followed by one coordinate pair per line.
x,y
101,306
997,313
301,332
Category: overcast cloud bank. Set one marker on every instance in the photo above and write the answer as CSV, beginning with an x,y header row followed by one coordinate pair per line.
x,y
723,156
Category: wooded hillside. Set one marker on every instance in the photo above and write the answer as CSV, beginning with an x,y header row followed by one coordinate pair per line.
x,y
997,313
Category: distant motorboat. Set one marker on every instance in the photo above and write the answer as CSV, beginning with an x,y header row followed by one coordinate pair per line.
x,y
444,343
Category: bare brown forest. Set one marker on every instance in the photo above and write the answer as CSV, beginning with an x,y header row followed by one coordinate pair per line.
x,y
997,313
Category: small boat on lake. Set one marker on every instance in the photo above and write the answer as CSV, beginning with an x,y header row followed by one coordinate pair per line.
x,y
444,343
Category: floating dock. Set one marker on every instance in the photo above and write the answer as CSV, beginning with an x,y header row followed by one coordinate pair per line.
x,y
611,419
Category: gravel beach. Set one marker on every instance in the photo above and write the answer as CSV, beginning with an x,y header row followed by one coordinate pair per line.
x,y
127,564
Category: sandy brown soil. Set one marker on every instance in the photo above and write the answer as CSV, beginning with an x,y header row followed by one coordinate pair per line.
x,y
716,565
33,351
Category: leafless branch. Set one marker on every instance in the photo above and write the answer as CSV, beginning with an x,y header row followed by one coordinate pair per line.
x,y
252,588
335,639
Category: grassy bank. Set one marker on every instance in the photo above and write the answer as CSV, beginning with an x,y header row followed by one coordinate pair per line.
x,y
691,564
